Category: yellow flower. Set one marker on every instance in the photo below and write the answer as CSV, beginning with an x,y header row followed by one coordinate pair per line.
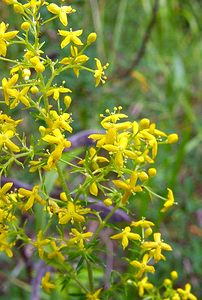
x,y
186,293
129,186
53,158
169,202
150,140
7,85
55,92
5,245
4,190
94,159
144,224
94,296
79,237
61,143
55,121
156,247
61,12
99,73
76,59
112,119
144,285
120,149
56,254
46,284
7,143
142,266
34,4
126,235
70,36
32,197
7,123
93,189
40,243
19,96
57,138
72,213
5,37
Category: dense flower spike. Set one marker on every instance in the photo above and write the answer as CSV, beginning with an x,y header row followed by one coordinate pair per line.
x,y
67,215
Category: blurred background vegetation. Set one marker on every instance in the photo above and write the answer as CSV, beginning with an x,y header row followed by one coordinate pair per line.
x,y
155,53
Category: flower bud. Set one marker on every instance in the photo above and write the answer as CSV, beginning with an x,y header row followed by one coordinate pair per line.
x,y
42,130
93,189
152,172
174,275
18,9
143,176
39,67
108,202
25,26
167,282
26,74
67,101
135,127
35,60
148,232
140,159
34,89
144,123
91,38
172,138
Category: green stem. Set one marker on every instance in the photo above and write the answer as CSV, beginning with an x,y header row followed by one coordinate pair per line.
x,y
117,32
79,283
63,183
151,192
98,27
90,275
102,225
49,20
19,86
45,98
7,59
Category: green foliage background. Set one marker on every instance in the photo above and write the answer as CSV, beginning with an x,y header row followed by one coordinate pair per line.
x,y
172,69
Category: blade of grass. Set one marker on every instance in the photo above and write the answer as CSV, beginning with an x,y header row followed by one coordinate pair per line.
x,y
117,32
98,28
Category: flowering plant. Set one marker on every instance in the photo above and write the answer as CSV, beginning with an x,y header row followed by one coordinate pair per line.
x,y
69,220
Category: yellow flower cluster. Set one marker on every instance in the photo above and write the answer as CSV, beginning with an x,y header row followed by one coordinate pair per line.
x,y
126,142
